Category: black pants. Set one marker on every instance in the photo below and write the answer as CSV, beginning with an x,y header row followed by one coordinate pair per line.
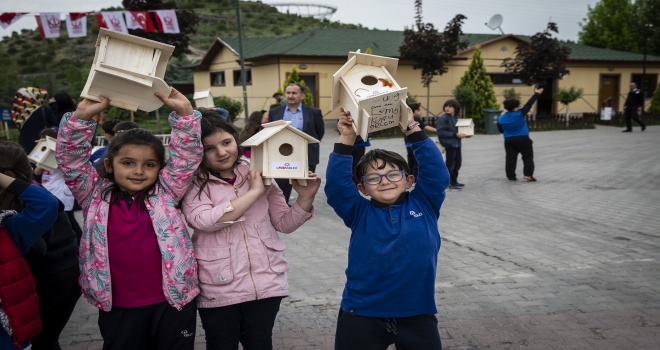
x,y
454,159
152,327
250,323
631,113
58,295
412,163
74,225
522,145
358,153
286,187
374,333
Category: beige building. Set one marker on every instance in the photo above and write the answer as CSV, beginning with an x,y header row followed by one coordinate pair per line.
x,y
604,74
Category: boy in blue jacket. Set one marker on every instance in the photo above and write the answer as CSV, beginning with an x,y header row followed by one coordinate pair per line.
x,y
392,257
516,136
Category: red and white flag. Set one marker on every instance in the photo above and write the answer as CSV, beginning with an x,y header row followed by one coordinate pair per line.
x,y
167,22
139,20
49,24
112,20
76,24
7,18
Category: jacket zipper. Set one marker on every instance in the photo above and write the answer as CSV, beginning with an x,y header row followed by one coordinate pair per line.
x,y
248,252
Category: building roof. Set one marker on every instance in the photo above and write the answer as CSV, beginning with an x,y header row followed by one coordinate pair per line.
x,y
337,42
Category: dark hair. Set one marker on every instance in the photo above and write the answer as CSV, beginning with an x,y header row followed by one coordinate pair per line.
x,y
381,158
452,103
302,91
277,94
415,106
211,125
125,126
208,112
15,163
64,102
135,137
253,123
511,104
52,132
109,125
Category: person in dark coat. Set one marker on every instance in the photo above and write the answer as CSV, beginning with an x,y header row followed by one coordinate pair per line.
x,y
304,118
31,115
633,104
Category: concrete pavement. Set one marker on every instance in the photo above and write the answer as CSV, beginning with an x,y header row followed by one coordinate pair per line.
x,y
568,262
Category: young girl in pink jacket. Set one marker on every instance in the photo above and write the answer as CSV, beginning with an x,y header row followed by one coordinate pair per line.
x,y
137,261
242,269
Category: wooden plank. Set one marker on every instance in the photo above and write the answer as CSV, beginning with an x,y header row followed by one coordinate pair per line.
x,y
138,78
336,85
154,62
372,60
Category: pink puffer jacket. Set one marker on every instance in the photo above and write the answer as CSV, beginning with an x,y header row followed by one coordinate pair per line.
x,y
240,260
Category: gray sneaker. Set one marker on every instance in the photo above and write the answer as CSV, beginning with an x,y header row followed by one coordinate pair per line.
x,y
454,188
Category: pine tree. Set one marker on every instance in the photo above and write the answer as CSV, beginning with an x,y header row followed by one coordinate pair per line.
x,y
294,78
655,101
477,78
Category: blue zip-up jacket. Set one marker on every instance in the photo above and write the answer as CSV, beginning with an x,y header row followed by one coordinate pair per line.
x,y
393,251
513,124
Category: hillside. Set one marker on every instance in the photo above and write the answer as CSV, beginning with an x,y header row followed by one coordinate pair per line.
x,y
63,64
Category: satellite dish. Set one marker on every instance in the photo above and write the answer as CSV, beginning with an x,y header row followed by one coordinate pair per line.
x,y
495,22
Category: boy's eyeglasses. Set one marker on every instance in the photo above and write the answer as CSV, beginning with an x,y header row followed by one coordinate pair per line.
x,y
392,176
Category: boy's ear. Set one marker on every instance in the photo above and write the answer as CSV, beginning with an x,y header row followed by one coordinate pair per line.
x,y
107,165
410,180
362,189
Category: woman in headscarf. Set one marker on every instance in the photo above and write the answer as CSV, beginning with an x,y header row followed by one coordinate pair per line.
x,y
62,103
31,115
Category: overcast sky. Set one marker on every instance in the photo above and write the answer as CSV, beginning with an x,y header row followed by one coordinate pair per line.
x,y
520,17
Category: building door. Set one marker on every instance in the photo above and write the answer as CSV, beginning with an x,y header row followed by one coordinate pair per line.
x,y
312,82
546,102
608,93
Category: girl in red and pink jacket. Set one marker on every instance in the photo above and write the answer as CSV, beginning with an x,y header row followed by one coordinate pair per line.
x,y
242,269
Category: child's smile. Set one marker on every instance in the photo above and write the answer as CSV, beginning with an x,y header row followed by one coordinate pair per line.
x,y
134,168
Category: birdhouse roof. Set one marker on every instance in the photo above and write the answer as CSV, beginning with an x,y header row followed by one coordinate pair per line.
x,y
166,50
273,128
465,122
201,94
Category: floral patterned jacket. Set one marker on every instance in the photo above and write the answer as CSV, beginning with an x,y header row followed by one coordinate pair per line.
x,y
180,284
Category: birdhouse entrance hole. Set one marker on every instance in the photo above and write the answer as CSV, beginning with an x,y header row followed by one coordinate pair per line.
x,y
369,80
43,149
286,149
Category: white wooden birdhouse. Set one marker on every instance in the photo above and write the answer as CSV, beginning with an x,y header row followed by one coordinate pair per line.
x,y
280,151
365,86
465,126
128,70
203,98
43,154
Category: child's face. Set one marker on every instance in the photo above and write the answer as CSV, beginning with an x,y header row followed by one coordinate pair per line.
x,y
386,192
135,168
450,110
417,113
107,137
220,153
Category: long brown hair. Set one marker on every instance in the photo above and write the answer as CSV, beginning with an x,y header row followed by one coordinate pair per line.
x,y
15,163
253,122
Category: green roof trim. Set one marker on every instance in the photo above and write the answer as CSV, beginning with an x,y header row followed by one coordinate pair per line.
x,y
339,41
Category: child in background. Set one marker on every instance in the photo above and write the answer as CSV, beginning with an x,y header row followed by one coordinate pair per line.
x,y
393,253
242,269
417,116
137,261
54,183
108,133
450,139
26,213
253,125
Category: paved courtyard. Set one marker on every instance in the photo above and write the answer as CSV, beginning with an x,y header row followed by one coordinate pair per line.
x,y
568,262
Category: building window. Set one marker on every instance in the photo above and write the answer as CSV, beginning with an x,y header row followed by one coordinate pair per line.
x,y
505,79
237,77
650,85
218,79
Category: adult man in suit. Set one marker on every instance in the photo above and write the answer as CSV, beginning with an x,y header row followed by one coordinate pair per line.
x,y
304,118
634,103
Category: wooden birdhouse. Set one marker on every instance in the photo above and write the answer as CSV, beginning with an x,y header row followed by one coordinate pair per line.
x,y
203,98
128,70
280,151
43,154
365,87
465,126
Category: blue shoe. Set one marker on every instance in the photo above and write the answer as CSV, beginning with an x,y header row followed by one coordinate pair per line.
x,y
454,188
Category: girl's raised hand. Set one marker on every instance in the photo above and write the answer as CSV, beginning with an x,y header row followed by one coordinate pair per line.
x,y
256,181
177,102
88,108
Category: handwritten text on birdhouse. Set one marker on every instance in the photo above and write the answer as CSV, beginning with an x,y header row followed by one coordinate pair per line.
x,y
385,111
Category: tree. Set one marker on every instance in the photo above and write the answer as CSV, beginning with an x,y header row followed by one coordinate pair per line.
x,y
477,78
511,94
233,107
430,50
540,60
294,78
568,96
466,96
186,18
655,101
610,24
